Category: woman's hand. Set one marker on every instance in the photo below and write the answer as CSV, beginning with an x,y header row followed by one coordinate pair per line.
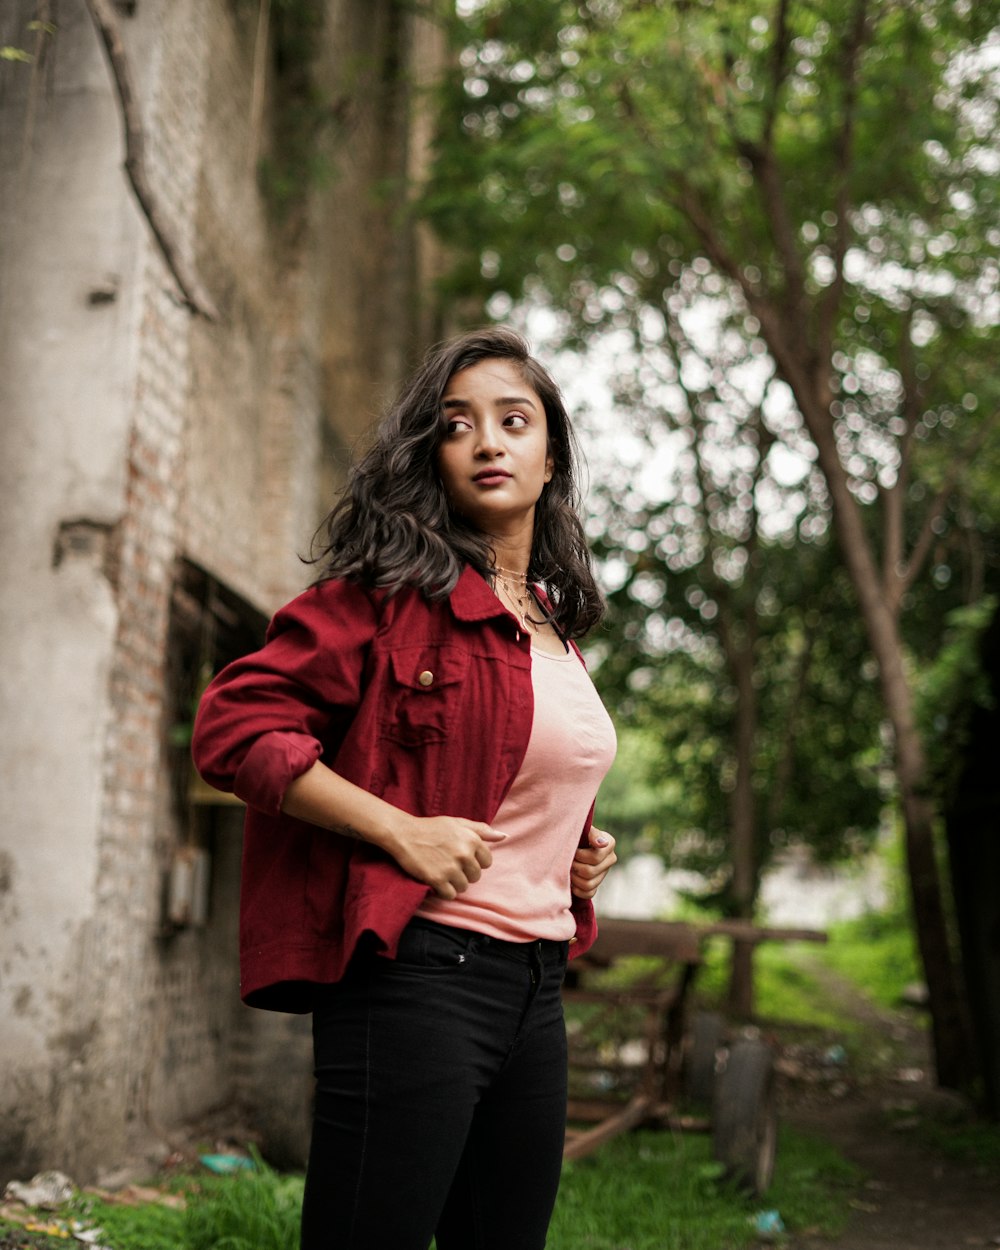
x,y
592,864
447,853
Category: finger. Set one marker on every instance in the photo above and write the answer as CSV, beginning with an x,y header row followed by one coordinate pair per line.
x,y
598,837
491,835
606,855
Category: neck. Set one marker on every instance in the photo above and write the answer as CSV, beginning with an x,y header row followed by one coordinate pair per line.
x,y
512,558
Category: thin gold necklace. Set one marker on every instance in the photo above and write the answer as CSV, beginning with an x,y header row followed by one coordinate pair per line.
x,y
511,573
520,599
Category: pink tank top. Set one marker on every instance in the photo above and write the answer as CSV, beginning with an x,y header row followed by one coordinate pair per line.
x,y
525,893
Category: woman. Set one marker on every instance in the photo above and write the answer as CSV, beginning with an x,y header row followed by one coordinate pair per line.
x,y
419,749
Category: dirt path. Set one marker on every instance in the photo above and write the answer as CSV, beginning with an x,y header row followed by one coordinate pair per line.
x,y
914,1198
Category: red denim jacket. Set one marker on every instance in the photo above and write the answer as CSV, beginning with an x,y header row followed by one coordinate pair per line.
x,y
427,705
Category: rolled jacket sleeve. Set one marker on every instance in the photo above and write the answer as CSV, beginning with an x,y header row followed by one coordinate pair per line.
x,y
268,717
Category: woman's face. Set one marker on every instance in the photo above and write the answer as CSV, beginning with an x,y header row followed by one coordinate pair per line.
x,y
494,457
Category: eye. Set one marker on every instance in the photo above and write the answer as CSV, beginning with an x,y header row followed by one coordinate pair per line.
x,y
455,425
515,420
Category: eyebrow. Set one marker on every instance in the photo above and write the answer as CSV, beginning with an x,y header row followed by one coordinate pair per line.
x,y
504,402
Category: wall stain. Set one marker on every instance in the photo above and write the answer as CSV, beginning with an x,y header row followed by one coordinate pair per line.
x,y
84,538
6,872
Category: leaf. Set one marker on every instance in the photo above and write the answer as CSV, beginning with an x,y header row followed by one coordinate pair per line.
x,y
8,53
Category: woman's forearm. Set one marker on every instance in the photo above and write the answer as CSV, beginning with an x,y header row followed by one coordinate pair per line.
x,y
322,797
445,852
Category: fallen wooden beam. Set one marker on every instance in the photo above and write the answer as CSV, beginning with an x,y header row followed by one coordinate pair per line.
x,y
747,931
633,1113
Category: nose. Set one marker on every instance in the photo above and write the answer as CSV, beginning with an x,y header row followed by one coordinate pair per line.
x,y
489,445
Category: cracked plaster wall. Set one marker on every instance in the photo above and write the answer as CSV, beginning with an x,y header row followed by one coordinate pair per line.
x,y
133,434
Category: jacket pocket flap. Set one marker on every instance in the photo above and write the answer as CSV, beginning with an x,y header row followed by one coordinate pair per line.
x,y
428,668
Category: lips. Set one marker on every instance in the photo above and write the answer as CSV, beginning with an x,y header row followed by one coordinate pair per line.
x,y
492,475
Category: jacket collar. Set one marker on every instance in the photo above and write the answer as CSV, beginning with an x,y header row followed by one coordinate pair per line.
x,y
473,600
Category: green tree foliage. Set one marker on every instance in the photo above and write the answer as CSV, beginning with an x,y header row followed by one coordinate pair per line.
x,y
829,168
951,688
832,162
732,631
817,755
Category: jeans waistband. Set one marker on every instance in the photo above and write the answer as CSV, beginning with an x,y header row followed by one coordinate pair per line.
x,y
544,950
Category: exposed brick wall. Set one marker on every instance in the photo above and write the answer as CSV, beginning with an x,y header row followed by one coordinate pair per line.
x,y
127,990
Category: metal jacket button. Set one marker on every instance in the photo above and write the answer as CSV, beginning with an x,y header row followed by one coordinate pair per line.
x,y
426,678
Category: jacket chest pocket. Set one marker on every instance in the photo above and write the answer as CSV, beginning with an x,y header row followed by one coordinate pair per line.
x,y
422,695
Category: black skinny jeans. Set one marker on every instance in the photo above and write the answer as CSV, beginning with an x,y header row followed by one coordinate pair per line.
x,y
441,1096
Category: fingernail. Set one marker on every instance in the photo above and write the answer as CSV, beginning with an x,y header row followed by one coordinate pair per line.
x,y
601,840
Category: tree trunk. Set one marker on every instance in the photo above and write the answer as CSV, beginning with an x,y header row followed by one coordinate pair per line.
x,y
972,817
951,1034
742,825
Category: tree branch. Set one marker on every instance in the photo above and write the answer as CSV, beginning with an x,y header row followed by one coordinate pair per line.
x,y
894,497
786,347
778,70
192,292
907,574
772,191
788,356
786,756
829,305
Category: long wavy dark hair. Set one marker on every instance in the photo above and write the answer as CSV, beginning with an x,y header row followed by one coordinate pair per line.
x,y
393,526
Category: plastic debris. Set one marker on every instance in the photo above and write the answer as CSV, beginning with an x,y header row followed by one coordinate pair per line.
x,y
50,1230
90,1236
47,1190
768,1225
226,1165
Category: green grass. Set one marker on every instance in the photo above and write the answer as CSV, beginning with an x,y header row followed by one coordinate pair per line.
x,y
148,1226
976,1144
660,1191
877,953
786,988
947,1127
257,1210
254,1210
644,1191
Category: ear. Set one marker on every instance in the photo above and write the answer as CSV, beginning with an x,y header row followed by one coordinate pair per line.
x,y
550,467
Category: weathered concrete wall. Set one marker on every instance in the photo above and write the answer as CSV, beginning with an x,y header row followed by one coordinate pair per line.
x,y
67,382
134,434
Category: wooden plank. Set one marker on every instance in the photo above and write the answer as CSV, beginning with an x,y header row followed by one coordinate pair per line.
x,y
624,996
667,938
633,1113
592,1110
747,931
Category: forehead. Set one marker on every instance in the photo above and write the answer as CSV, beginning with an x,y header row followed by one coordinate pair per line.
x,y
499,376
